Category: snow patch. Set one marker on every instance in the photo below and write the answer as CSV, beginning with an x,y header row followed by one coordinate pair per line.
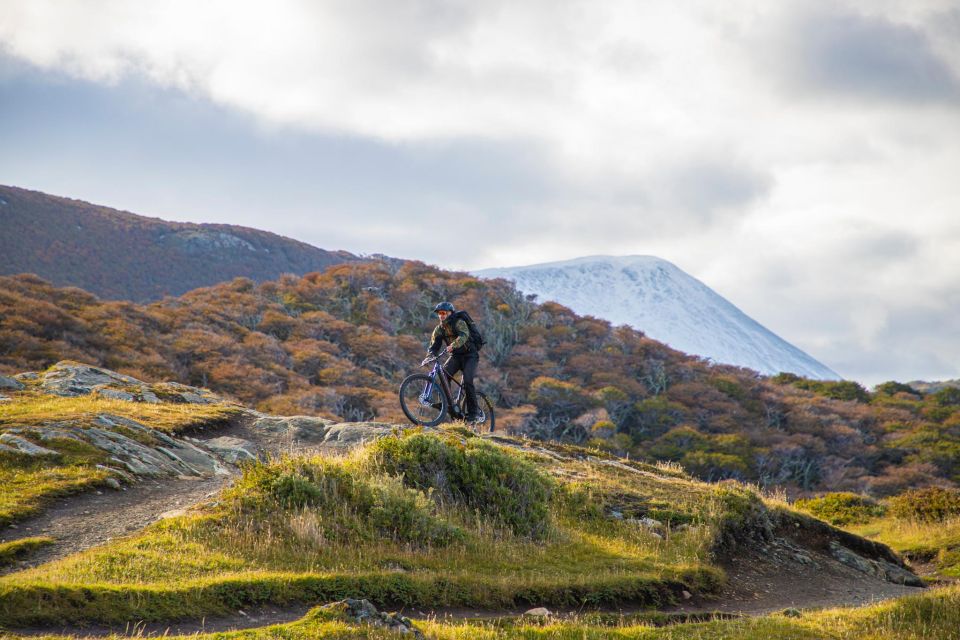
x,y
667,304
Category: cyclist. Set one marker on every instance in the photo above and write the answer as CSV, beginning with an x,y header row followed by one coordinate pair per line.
x,y
463,356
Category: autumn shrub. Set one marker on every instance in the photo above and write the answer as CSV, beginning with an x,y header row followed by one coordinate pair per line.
x,y
929,504
842,508
473,474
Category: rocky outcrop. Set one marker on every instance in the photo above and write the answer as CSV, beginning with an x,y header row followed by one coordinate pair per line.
x,y
129,446
68,378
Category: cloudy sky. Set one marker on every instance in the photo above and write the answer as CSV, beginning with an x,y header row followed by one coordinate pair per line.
x,y
800,157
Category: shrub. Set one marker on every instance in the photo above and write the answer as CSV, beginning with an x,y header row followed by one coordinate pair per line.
x,y
347,502
893,387
471,473
842,508
947,397
930,504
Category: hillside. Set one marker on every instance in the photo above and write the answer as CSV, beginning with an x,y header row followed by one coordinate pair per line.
x,y
667,304
120,255
336,344
436,521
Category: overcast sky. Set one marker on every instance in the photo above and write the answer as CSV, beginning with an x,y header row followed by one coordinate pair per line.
x,y
801,158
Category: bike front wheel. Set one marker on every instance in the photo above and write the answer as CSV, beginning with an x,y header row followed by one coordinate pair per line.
x,y
422,400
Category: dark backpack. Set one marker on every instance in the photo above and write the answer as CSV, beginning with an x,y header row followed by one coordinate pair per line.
x,y
476,338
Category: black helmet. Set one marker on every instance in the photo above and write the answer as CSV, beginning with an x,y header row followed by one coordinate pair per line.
x,y
444,306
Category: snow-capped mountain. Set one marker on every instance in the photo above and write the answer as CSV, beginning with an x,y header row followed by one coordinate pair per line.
x,y
667,304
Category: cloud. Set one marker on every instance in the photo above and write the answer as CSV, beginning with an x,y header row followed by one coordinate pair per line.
x,y
799,156
869,58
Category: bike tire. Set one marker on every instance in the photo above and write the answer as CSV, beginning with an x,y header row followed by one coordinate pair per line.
x,y
486,408
486,419
422,412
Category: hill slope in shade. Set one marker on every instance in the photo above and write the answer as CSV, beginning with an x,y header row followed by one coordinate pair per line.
x,y
668,305
120,255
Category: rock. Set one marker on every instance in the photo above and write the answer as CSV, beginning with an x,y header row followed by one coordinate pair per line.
x,y
302,428
792,613
4,398
69,378
24,446
348,435
116,394
29,375
686,594
10,384
363,612
850,558
899,575
538,611
618,515
232,450
113,483
879,568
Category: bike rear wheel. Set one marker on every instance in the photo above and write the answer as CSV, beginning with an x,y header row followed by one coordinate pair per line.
x,y
422,400
485,421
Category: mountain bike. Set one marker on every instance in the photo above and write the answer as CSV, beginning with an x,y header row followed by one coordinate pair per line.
x,y
427,398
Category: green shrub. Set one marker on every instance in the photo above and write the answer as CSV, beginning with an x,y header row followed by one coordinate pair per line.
x,y
842,508
893,387
947,397
471,473
930,504
348,503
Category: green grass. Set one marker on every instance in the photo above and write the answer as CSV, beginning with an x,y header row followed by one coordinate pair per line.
x,y
319,529
937,543
10,551
33,408
28,484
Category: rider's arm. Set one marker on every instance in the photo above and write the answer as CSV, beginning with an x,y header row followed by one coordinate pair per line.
x,y
436,340
463,335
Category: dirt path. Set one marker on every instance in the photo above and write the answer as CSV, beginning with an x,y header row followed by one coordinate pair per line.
x,y
758,586
93,518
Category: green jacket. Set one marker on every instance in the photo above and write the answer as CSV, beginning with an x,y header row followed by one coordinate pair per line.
x,y
458,336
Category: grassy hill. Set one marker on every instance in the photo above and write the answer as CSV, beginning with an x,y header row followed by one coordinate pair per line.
x,y
120,255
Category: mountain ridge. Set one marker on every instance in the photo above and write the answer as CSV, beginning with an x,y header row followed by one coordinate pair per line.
x,y
657,297
122,255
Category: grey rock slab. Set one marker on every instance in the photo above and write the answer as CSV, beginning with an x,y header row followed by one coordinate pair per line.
x,y
115,394
75,379
10,384
348,435
304,428
24,446
232,450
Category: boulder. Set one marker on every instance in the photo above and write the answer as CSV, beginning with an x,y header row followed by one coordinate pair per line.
x,y
299,428
538,612
10,384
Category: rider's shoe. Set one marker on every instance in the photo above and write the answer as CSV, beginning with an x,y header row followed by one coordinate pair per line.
x,y
469,418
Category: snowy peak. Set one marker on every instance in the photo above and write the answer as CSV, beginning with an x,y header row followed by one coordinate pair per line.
x,y
668,305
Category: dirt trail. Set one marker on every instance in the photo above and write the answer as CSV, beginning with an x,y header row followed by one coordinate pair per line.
x,y
758,585
91,519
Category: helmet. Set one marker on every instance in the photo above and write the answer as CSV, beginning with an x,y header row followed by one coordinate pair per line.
x,y
444,306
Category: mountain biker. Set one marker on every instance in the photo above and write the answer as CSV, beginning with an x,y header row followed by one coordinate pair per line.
x,y
463,356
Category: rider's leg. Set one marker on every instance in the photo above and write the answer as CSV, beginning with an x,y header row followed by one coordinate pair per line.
x,y
470,363
453,366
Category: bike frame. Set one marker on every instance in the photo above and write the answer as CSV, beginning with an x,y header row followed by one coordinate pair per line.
x,y
438,373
